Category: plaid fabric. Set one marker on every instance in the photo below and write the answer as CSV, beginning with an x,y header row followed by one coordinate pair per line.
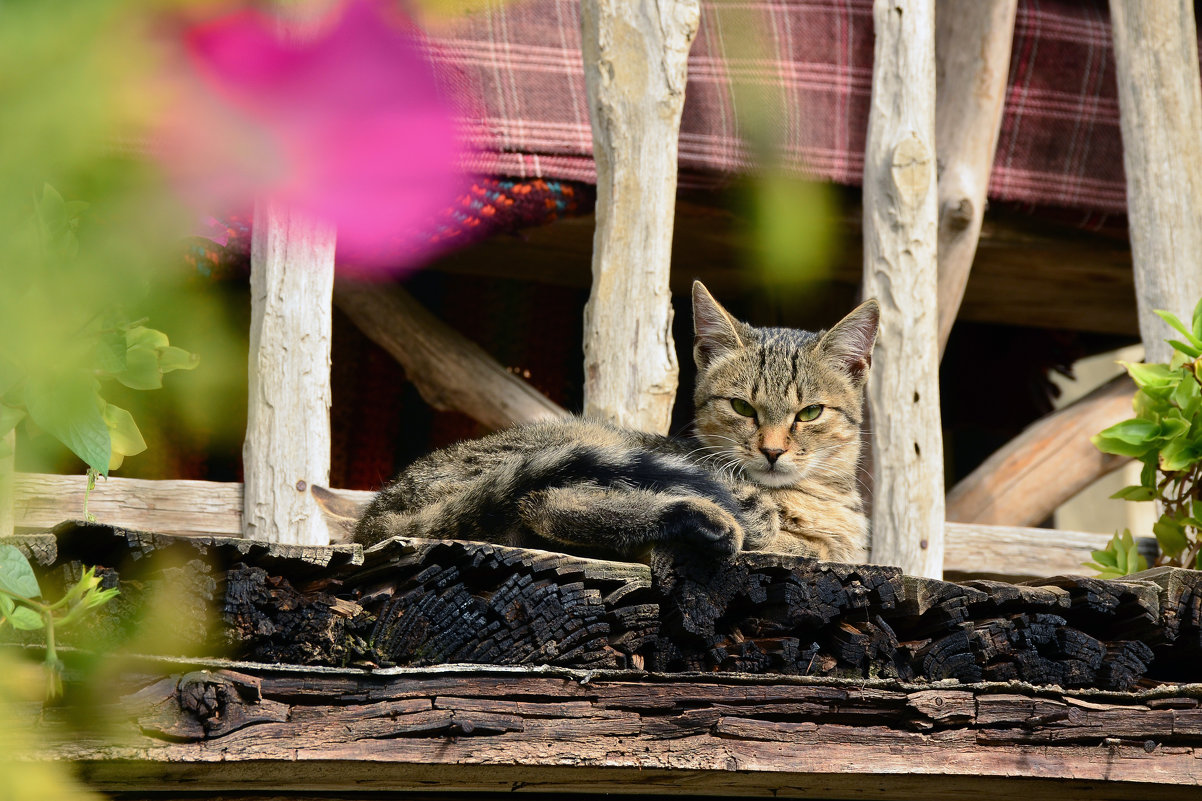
x,y
811,62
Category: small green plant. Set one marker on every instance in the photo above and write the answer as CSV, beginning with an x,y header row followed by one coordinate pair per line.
x,y
51,381
1166,436
21,607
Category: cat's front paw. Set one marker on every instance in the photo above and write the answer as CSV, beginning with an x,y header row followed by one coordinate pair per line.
x,y
704,522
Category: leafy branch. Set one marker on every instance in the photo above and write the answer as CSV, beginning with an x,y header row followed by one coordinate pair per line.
x,y
21,608
1166,436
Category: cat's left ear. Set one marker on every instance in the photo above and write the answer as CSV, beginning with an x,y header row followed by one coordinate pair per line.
x,y
849,343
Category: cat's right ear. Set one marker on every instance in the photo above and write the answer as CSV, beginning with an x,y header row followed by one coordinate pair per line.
x,y
713,328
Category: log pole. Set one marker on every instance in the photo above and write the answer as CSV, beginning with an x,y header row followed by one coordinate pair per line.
x,y
635,55
900,229
972,60
287,447
1160,112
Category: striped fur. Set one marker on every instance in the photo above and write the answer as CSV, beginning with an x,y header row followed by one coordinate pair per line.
x,y
592,488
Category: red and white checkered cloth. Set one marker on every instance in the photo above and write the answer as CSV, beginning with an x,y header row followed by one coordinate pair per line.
x,y
1059,146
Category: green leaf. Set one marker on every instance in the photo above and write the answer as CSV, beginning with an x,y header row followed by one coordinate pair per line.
x,y
25,619
172,358
127,439
1104,558
1150,376
110,352
9,417
1135,493
1147,476
1188,350
1170,536
141,368
1178,454
68,406
142,337
16,576
1197,320
1172,320
1135,432
1120,555
1187,397
1135,560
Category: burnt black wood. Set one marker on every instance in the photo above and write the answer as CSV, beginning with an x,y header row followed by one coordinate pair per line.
x,y
431,602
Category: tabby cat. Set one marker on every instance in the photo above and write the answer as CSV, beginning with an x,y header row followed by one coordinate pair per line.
x,y
772,466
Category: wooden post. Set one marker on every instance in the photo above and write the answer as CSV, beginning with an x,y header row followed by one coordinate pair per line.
x,y
1160,110
1051,461
635,56
899,271
287,448
449,370
7,481
972,60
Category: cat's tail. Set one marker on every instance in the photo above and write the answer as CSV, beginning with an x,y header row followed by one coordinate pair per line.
x,y
486,507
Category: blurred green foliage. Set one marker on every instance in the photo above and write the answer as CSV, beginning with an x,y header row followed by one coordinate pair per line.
x,y
90,237
1166,436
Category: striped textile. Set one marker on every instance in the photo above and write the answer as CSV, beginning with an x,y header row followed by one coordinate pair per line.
x,y
811,62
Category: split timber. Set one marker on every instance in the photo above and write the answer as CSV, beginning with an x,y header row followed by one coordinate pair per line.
x,y
327,672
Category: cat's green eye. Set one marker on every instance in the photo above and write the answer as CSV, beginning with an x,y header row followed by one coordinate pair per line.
x,y
742,407
809,413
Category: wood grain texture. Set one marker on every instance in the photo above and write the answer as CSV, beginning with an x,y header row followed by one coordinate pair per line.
x,y
349,734
1160,112
1023,553
972,60
635,57
1048,463
900,271
287,446
171,507
450,371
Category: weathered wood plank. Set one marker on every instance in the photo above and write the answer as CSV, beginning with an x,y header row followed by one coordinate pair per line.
x,y
449,370
287,446
1048,463
635,62
900,231
972,60
179,506
1021,553
1160,112
494,731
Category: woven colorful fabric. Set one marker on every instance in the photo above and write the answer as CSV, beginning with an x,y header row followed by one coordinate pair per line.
x,y
1060,143
490,206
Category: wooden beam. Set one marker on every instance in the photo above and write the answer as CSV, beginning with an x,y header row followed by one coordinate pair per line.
x,y
972,60
449,370
900,271
287,447
1019,553
1050,462
353,734
185,507
1160,111
635,59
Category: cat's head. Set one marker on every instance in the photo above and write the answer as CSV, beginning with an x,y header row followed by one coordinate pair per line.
x,y
778,404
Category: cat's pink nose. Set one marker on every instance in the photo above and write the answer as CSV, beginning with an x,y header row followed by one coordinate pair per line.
x,y
772,454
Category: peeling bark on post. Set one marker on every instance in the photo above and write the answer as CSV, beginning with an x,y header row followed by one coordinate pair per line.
x,y
972,60
287,447
635,57
1160,109
899,270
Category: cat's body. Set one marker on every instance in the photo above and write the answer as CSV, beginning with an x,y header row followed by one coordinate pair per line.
x,y
772,467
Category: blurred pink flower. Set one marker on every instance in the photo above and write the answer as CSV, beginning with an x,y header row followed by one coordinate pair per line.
x,y
348,125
